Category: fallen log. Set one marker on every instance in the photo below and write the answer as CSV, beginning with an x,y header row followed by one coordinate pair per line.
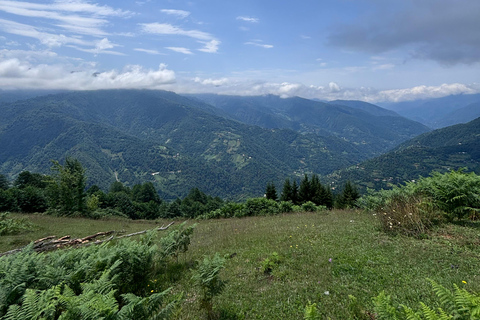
x,y
50,243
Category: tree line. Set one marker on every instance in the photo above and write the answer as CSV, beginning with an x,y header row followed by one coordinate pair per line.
x,y
312,190
64,193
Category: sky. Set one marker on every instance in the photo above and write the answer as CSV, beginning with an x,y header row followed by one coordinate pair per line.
x,y
370,50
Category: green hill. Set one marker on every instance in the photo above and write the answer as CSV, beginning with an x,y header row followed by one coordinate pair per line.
x,y
374,129
136,136
441,150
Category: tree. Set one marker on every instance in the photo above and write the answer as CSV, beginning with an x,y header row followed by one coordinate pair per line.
x,y
271,191
26,178
295,192
68,188
348,197
117,186
305,193
3,182
286,191
145,193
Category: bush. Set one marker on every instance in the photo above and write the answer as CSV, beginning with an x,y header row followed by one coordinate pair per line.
x,y
416,206
309,206
259,207
408,214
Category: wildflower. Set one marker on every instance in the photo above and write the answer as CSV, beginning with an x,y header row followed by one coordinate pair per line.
x,y
330,260
326,293
463,281
151,291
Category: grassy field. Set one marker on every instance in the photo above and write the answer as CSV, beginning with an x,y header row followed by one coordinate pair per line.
x,y
323,258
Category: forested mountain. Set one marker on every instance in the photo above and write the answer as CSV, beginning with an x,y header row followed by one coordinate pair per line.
x,y
462,115
176,142
443,149
440,112
373,128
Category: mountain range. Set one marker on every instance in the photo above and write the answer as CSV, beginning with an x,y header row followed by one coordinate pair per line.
x,y
227,146
449,148
439,112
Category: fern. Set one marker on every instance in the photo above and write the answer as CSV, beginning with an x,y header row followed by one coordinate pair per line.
x,y
383,307
459,304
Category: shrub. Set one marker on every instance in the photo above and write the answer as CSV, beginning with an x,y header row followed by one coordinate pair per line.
x,y
259,207
309,206
408,214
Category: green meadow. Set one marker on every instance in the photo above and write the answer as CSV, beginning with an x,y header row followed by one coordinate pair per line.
x,y
276,265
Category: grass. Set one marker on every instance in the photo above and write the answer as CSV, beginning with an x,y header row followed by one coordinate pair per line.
x,y
44,226
364,261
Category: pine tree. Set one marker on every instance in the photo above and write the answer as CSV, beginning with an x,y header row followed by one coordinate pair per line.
x,y
271,191
305,190
286,191
295,192
348,197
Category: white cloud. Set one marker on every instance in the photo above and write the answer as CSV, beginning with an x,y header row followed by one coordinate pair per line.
x,y
424,92
147,51
178,13
168,29
248,19
334,87
210,43
210,46
180,50
259,44
48,39
70,14
101,46
212,82
16,74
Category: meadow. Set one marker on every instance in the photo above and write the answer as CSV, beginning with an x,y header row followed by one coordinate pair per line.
x,y
276,265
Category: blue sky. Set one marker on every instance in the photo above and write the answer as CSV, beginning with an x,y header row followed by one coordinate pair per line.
x,y
372,50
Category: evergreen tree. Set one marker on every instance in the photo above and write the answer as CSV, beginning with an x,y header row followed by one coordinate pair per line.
x,y
305,190
295,192
287,191
328,199
348,197
271,191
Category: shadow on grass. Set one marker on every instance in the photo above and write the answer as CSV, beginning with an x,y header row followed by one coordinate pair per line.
x,y
467,223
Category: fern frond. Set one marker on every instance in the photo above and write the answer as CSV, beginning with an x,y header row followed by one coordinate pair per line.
x,y
383,307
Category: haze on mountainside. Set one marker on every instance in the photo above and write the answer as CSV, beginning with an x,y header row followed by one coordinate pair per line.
x,y
365,50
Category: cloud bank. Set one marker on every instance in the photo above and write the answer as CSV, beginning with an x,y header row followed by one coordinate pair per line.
x,y
16,74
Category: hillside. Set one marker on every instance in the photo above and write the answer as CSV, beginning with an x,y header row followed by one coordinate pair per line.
x,y
443,149
373,128
439,112
136,136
